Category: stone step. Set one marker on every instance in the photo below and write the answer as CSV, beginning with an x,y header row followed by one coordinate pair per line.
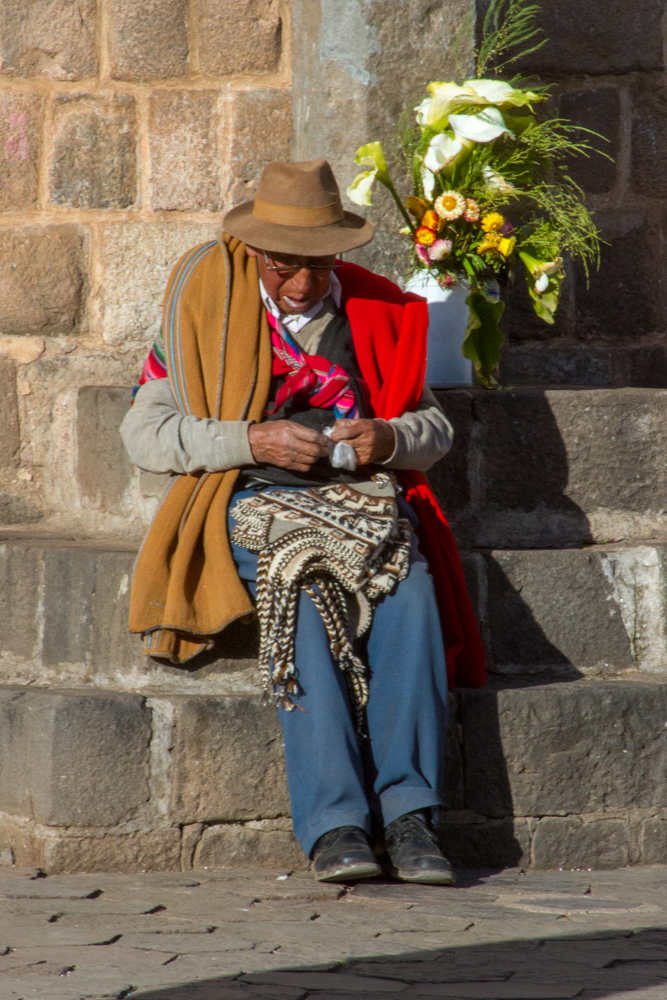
x,y
553,775
530,468
599,363
64,607
551,468
566,612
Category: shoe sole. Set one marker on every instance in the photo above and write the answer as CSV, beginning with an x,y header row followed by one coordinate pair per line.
x,y
351,874
425,878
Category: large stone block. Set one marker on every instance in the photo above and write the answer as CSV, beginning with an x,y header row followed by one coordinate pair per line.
x,y
57,852
185,158
550,608
450,477
600,430
551,467
42,283
574,842
480,843
631,267
69,586
136,260
262,121
148,41
227,761
104,472
73,758
649,145
20,593
599,37
597,109
239,36
152,851
562,363
241,846
116,653
94,151
565,749
20,120
9,417
52,38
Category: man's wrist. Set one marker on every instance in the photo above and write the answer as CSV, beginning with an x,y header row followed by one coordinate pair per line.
x,y
388,442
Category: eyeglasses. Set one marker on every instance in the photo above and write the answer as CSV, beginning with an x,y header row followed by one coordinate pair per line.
x,y
285,270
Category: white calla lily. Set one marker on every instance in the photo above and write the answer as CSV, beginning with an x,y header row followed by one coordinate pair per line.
x,y
428,183
483,127
445,99
360,189
542,283
442,150
370,155
502,94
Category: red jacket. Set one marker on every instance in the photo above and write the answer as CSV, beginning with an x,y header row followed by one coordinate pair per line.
x,y
389,328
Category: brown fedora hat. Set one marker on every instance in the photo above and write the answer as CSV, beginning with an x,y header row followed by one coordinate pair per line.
x,y
298,210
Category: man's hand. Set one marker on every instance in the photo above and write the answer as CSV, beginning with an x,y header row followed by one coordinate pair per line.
x,y
372,440
287,444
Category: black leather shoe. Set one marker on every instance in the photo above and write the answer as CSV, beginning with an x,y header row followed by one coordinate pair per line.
x,y
414,853
344,855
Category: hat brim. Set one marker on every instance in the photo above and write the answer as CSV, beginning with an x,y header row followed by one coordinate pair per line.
x,y
317,241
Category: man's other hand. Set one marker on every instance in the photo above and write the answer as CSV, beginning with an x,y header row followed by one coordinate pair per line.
x,y
372,440
287,444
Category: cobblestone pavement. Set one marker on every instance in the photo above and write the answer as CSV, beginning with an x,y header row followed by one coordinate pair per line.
x,y
509,935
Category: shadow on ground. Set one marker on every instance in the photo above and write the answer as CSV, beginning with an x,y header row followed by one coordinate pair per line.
x,y
589,966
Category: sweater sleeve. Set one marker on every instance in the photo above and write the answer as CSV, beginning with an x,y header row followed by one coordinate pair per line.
x,y
158,438
423,437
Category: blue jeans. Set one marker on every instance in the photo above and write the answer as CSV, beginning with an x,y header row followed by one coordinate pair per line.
x,y
332,782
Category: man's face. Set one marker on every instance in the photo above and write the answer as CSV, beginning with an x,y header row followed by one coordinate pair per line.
x,y
296,286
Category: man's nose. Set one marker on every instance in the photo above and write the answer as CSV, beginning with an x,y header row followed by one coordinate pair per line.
x,y
303,281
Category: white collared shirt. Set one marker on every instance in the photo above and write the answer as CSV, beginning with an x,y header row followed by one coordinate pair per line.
x,y
294,323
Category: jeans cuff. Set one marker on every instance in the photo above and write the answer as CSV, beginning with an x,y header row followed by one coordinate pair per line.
x,y
399,800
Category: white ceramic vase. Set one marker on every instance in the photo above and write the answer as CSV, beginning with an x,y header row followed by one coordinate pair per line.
x,y
446,368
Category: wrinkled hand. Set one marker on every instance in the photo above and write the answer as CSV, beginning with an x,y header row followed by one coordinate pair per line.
x,y
372,440
287,444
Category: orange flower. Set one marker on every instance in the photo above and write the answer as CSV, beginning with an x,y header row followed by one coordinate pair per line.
x,y
430,219
424,236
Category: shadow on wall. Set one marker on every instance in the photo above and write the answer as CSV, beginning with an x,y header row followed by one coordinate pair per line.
x,y
558,967
503,484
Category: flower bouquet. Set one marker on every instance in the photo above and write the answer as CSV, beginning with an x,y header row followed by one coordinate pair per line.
x,y
490,185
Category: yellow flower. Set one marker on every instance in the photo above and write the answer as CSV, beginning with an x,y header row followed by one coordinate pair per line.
x,y
450,205
490,244
416,207
424,236
506,246
430,219
492,222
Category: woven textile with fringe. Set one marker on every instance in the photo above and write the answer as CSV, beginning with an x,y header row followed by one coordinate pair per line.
x,y
346,547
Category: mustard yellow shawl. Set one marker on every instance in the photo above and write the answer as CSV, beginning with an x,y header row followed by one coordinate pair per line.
x,y
186,587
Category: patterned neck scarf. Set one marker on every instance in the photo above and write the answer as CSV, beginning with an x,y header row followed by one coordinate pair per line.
x,y
310,377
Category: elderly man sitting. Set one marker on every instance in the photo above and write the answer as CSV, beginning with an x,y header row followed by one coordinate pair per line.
x,y
288,399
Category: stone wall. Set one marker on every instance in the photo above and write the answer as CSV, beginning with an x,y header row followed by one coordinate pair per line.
x,y
607,63
126,131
